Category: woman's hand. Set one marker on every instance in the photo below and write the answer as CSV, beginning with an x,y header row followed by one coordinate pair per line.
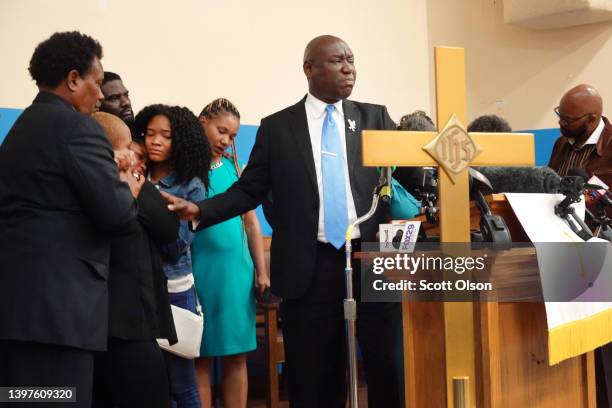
x,y
125,159
262,286
134,181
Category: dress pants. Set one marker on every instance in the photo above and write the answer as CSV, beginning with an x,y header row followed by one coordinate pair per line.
x,y
28,364
315,343
131,374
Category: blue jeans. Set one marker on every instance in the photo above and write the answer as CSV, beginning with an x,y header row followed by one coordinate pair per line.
x,y
181,371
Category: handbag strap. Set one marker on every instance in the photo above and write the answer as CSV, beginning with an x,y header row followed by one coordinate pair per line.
x,y
198,305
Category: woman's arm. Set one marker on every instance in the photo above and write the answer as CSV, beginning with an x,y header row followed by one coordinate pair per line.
x,y
256,246
161,224
172,252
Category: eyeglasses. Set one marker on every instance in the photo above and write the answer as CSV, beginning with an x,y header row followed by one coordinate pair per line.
x,y
566,119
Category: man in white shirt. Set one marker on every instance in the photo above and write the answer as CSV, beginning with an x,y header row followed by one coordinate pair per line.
x,y
309,157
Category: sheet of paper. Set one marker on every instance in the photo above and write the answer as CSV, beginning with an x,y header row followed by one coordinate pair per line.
x,y
536,213
569,268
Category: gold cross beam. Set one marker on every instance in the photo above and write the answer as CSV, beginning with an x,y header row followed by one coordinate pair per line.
x,y
454,150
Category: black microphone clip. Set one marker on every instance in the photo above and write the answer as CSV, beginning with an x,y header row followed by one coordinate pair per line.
x,y
384,184
492,226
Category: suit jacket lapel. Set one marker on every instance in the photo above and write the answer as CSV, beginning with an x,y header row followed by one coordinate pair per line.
x,y
299,130
352,132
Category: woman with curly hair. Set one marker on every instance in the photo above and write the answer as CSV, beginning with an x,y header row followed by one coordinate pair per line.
x,y
179,159
226,259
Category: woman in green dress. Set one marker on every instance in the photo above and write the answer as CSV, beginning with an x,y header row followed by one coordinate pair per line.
x,y
228,266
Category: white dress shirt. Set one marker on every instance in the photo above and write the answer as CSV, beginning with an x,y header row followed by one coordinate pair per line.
x,y
315,114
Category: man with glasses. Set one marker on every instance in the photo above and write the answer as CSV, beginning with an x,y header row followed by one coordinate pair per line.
x,y
586,143
586,135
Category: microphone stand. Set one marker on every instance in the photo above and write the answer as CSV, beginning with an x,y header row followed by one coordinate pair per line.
x,y
565,211
429,197
602,222
492,227
382,191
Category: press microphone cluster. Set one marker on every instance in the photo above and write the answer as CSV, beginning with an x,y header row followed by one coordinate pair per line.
x,y
536,180
598,203
597,190
521,179
543,180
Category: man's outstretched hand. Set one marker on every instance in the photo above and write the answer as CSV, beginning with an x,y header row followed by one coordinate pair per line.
x,y
186,210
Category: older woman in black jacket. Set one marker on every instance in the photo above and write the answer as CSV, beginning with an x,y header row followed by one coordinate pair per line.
x,y
132,372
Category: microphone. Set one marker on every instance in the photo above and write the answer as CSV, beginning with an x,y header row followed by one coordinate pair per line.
x,y
596,202
597,190
520,179
427,192
492,227
430,180
542,180
479,182
384,183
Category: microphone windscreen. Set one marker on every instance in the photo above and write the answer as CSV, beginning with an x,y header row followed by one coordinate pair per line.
x,y
577,172
520,179
592,182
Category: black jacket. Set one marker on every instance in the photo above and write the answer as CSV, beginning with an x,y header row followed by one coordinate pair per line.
x,y
139,308
60,201
282,162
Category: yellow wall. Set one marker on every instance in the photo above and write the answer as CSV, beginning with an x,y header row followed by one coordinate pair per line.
x,y
516,72
191,51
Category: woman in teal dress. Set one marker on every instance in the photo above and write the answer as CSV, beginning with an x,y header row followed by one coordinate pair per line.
x,y
226,259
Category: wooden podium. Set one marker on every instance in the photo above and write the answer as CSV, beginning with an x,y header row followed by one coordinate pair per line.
x,y
510,345
500,349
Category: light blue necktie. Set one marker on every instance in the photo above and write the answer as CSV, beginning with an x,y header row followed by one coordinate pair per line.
x,y
335,212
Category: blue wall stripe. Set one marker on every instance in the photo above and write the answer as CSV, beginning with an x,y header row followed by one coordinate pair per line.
x,y
8,116
244,144
544,141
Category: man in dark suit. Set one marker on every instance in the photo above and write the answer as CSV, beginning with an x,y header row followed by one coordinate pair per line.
x,y
61,198
309,156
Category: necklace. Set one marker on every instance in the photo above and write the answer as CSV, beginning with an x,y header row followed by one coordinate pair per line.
x,y
216,165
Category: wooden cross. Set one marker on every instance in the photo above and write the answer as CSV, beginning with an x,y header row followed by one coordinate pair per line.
x,y
453,149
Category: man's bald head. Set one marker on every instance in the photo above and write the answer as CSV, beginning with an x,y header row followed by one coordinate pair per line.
x,y
583,98
329,67
116,130
580,111
316,44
